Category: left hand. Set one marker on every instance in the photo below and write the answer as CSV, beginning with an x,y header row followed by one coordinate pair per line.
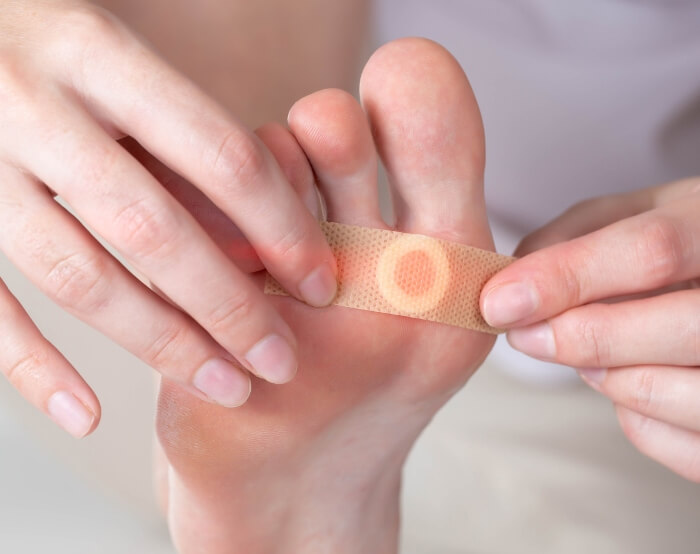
x,y
612,285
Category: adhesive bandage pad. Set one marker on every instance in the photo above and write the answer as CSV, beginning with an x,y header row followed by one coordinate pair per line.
x,y
410,275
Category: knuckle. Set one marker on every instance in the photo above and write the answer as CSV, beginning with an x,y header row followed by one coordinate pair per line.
x,y
644,392
18,92
238,160
289,246
12,76
26,368
83,35
592,345
146,230
80,282
661,249
237,308
166,347
85,24
572,280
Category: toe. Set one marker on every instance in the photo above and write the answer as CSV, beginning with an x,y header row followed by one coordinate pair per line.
x,y
334,132
429,134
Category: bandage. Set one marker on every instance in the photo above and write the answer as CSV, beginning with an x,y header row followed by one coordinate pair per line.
x,y
409,275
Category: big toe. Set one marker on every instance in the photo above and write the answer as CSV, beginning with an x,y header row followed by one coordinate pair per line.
x,y
430,136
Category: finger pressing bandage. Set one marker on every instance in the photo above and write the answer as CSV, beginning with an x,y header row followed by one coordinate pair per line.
x,y
410,275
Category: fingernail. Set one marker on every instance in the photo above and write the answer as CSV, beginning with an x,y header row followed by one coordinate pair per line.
x,y
222,383
536,341
594,376
273,359
70,413
510,303
319,287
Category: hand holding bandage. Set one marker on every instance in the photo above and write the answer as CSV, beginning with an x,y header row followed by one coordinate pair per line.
x,y
411,275
618,300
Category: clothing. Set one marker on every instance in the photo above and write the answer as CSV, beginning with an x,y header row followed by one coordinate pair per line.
x,y
579,99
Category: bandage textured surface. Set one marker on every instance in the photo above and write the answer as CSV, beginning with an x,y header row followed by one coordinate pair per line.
x,y
410,275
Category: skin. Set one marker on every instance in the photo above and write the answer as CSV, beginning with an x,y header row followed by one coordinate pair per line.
x,y
610,288
265,477
75,82
337,427
255,58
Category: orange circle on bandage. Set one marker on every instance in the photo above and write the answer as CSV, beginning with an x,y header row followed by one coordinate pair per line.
x,y
413,274
416,276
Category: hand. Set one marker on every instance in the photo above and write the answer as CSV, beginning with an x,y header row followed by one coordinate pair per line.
x,y
73,80
608,288
315,466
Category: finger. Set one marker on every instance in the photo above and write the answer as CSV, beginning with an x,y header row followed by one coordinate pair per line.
x,y
586,217
335,135
429,135
676,448
591,215
41,374
294,163
56,253
216,223
672,192
224,232
658,330
123,82
638,254
663,393
164,242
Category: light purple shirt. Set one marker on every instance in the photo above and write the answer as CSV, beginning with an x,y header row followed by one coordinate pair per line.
x,y
579,99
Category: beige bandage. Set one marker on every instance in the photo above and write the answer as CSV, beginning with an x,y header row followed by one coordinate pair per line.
x,y
410,275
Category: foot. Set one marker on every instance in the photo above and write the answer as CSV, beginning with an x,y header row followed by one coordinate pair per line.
x,y
315,465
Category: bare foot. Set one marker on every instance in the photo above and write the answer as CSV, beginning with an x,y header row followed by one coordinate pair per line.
x,y
315,465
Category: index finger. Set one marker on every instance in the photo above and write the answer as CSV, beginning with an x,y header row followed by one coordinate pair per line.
x,y
638,254
125,83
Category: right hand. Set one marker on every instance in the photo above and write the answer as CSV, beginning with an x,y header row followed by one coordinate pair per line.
x,y
73,81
